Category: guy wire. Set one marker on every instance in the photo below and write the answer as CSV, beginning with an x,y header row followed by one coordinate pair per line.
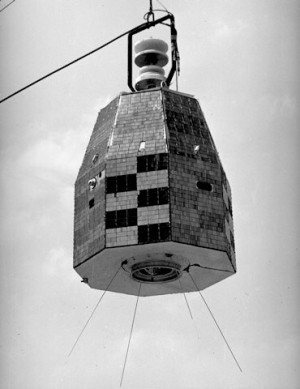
x,y
209,310
131,330
2,9
94,310
186,299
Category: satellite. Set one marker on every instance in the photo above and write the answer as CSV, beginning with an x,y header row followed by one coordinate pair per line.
x,y
153,211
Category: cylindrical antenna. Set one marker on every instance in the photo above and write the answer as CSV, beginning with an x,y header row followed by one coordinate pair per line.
x,y
174,55
151,57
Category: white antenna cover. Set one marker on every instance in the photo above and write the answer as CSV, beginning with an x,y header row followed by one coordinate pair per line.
x,y
151,57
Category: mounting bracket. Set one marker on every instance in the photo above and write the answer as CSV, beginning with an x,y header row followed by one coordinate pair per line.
x,y
145,26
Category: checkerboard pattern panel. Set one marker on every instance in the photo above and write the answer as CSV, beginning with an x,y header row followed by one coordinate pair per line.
x,y
138,201
137,192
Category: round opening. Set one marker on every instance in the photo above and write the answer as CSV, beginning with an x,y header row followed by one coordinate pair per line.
x,y
155,271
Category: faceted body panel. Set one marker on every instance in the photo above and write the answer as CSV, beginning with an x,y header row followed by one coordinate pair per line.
x,y
200,213
152,190
89,219
136,172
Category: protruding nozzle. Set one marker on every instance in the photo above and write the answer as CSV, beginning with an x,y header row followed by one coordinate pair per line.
x,y
151,57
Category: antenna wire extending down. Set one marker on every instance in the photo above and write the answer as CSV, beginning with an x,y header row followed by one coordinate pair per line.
x,y
187,303
223,336
131,330
94,310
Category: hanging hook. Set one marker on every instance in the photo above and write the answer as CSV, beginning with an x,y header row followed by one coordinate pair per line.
x,y
150,7
150,13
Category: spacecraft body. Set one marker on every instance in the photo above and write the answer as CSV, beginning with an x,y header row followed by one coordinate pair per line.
x,y
152,201
152,191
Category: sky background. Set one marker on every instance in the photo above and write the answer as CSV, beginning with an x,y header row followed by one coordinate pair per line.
x,y
241,60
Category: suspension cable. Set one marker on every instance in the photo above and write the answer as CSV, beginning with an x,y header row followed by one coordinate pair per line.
x,y
67,65
134,30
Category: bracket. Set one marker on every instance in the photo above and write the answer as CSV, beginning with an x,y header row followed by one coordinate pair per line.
x,y
148,25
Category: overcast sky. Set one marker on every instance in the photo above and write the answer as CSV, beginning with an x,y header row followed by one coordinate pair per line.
x,y
240,58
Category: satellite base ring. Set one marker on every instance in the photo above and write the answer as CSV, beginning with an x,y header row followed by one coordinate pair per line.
x,y
150,271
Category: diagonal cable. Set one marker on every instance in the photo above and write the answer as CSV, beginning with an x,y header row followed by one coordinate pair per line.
x,y
162,5
2,9
94,310
209,310
187,303
131,330
65,66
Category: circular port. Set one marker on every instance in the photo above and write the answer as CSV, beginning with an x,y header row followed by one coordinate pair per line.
x,y
155,271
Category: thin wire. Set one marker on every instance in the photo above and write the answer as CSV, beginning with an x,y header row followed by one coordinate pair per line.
x,y
151,8
94,310
162,5
186,300
2,9
65,66
187,303
131,330
209,268
209,310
